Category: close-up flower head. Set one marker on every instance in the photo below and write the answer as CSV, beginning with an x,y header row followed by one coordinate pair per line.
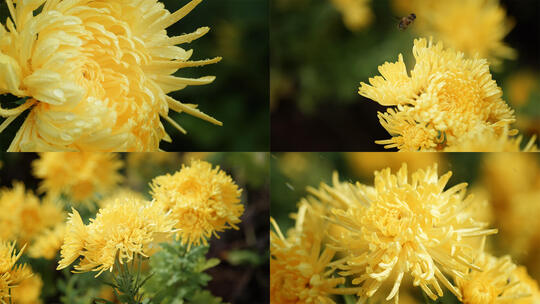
x,y
392,234
446,98
203,200
106,75
121,230
95,74
456,75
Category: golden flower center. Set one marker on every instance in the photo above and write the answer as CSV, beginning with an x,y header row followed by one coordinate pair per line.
x,y
479,290
457,92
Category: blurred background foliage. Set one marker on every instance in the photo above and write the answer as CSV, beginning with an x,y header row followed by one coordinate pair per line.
x,y
510,182
239,95
320,50
233,269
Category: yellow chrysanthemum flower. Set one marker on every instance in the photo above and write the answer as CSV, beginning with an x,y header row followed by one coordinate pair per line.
x,y
28,290
445,98
95,74
119,194
121,230
10,275
47,244
81,176
487,140
203,200
300,269
356,13
26,216
496,283
474,27
408,226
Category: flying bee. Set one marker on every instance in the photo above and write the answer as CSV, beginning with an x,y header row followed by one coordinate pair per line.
x,y
406,21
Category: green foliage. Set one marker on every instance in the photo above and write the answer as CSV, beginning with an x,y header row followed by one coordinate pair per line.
x,y
178,275
81,288
240,257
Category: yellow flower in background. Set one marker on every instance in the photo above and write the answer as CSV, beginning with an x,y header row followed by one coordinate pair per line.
x,y
95,74
81,176
411,226
300,269
48,243
445,98
25,216
520,85
507,174
10,275
28,290
356,13
203,200
496,283
528,286
119,232
474,27
365,163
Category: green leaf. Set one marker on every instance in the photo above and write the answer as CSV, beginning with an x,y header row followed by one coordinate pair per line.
x,y
213,262
239,257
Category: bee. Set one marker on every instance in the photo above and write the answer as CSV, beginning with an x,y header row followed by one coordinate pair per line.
x,y
406,21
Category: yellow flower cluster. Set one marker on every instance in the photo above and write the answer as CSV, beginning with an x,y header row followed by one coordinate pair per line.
x,y
120,230
10,275
405,228
79,175
446,98
26,216
95,74
300,269
201,199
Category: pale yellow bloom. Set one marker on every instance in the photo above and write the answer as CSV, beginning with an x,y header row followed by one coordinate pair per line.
x,y
300,269
28,290
474,27
120,230
495,283
81,176
120,193
356,13
25,216
445,98
10,275
203,200
95,74
407,226
48,243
